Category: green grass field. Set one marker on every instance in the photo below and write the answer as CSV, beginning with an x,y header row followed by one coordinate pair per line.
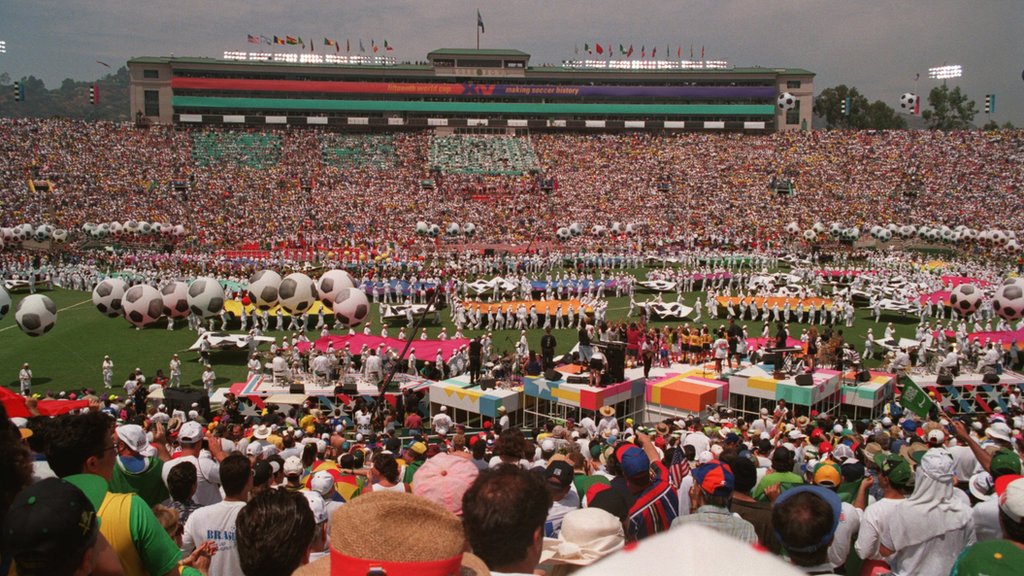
x,y
70,355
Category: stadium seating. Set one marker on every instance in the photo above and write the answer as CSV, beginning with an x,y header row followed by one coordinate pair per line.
x,y
251,150
491,155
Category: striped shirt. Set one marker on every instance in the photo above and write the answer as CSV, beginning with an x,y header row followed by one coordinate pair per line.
x,y
656,507
720,520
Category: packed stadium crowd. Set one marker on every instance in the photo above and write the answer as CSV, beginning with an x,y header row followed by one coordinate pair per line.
x,y
135,485
319,191
132,486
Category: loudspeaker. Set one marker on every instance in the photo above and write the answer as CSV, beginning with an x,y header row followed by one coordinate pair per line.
x,y
990,378
176,399
804,380
944,380
773,359
553,375
578,379
616,358
487,383
863,376
294,388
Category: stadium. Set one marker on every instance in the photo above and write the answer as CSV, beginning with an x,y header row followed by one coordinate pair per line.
x,y
460,89
627,297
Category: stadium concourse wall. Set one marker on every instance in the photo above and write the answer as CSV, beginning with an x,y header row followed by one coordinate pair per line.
x,y
338,108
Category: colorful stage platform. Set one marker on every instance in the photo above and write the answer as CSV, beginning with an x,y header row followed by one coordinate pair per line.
x,y
544,399
469,405
755,387
678,394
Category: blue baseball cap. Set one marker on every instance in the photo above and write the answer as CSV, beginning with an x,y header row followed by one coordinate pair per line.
x,y
825,494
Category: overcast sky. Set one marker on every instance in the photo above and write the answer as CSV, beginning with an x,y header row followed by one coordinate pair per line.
x,y
876,45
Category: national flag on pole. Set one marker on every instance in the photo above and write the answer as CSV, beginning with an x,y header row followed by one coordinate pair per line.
x,y
679,52
643,51
329,42
621,49
702,52
599,49
253,39
279,41
691,51
373,46
388,47
576,49
629,53
479,21
913,398
348,45
290,41
265,39
678,468
361,47
654,52
303,44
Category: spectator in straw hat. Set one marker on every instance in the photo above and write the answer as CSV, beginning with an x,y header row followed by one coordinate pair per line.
x,y
586,536
358,545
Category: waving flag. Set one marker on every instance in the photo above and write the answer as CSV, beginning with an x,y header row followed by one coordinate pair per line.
x,y
253,39
479,21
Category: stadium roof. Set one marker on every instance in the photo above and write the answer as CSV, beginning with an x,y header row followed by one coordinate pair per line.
x,y
466,51
478,52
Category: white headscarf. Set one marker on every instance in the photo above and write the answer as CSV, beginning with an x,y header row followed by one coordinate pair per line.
x,y
934,508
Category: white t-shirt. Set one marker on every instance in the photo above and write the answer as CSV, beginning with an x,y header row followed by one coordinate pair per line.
x,y
208,477
215,523
986,520
874,522
849,523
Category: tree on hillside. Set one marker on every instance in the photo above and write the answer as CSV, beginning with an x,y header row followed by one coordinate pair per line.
x,y
951,109
70,100
862,116
829,105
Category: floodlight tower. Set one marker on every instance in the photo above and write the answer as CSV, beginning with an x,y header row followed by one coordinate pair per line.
x,y
945,72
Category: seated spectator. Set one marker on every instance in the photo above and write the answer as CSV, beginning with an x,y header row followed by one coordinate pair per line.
x,y
503,513
805,520
358,546
275,532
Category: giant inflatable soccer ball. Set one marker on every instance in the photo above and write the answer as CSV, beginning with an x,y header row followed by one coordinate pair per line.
x,y
434,231
469,229
43,233
793,228
422,227
597,230
575,229
907,101
175,297
350,307
108,296
453,229
5,303
331,283
143,305
965,298
786,101
1008,301
809,235
60,235
205,297
851,233
563,233
263,287
35,315
297,293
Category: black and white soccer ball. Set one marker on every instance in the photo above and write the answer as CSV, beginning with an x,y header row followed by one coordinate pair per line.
x,y
43,233
116,230
616,227
563,234
575,229
469,229
60,235
5,302
422,227
434,231
453,229
35,315
297,293
597,230
793,228
786,101
143,305
907,231
965,298
178,231
810,235
175,297
851,233
1008,301
351,307
108,297
331,283
205,297
908,100
263,287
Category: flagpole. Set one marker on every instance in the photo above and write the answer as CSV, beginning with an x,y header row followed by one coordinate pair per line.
x,y
477,28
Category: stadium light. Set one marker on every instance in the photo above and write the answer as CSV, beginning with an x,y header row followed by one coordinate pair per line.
x,y
3,47
946,72
647,64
